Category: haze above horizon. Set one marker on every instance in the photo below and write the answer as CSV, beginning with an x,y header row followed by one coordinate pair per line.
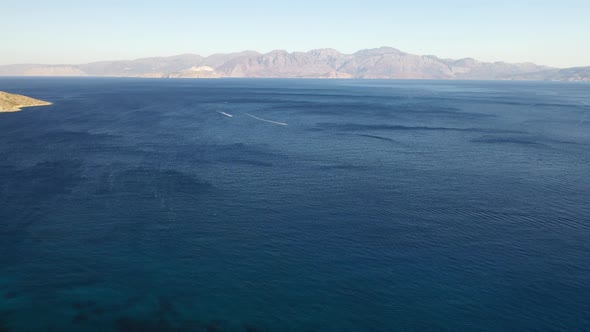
x,y
544,32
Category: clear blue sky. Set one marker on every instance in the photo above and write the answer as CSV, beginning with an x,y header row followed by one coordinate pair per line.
x,y
553,32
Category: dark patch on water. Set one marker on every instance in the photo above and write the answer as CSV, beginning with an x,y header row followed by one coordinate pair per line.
x,y
165,318
214,326
389,111
130,324
4,327
376,137
156,183
252,328
98,311
508,140
506,100
166,308
80,318
84,305
259,163
11,295
4,321
433,111
85,310
382,127
341,167
230,153
127,324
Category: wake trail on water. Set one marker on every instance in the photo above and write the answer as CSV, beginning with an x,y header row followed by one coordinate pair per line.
x,y
265,120
226,114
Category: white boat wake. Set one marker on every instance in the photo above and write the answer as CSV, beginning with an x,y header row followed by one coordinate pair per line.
x,y
265,120
226,114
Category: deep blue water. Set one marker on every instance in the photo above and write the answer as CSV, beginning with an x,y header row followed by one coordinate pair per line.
x,y
134,205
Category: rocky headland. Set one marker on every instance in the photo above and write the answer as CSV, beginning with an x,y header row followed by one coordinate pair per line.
x,y
10,102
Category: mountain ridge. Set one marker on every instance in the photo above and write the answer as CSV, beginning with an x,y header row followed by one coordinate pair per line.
x,y
377,63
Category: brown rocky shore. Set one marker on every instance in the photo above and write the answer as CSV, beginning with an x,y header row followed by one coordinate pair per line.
x,y
13,103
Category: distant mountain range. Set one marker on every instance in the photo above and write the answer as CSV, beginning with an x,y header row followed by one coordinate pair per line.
x,y
379,63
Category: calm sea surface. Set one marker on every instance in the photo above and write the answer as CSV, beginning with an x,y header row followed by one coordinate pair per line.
x,y
319,205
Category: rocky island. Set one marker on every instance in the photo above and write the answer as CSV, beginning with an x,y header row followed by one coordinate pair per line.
x,y
13,103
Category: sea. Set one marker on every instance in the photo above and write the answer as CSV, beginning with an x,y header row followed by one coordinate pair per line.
x,y
295,205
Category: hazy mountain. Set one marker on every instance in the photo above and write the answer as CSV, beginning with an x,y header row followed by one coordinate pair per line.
x,y
387,62
381,63
216,60
577,74
276,64
157,67
41,70
195,72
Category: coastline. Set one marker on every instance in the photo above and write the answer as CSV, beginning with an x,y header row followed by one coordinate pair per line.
x,y
10,103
